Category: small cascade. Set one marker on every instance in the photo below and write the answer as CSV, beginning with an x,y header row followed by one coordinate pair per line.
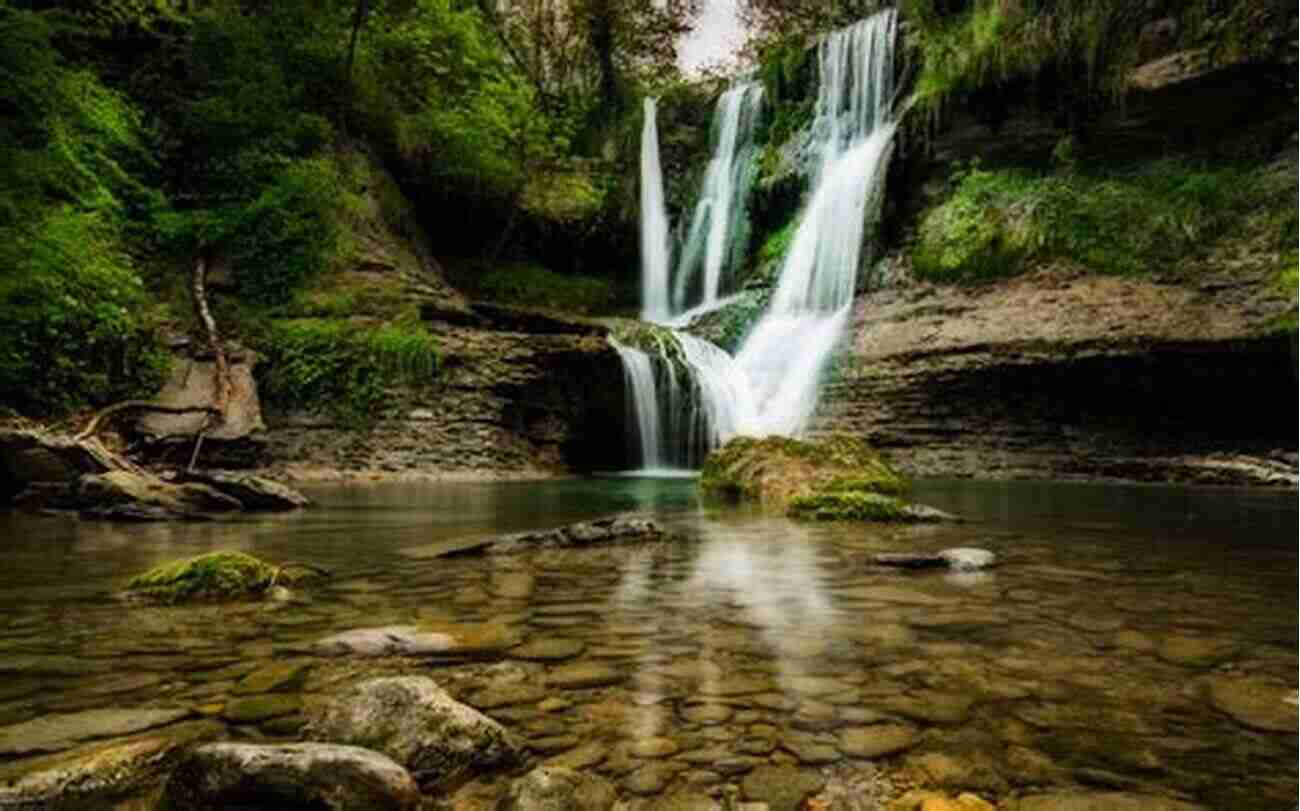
x,y
685,398
654,224
642,404
719,230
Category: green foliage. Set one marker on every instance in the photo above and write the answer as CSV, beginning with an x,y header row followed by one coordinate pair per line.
x,y
1154,217
531,285
847,505
313,363
75,327
1082,50
777,243
1289,283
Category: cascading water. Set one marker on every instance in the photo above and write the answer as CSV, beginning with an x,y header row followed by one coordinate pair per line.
x,y
691,396
715,242
784,355
654,223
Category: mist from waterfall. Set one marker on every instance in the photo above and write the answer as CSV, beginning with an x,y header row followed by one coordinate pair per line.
x,y
655,261
690,396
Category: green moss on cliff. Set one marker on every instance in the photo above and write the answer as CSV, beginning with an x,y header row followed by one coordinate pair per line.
x,y
1155,217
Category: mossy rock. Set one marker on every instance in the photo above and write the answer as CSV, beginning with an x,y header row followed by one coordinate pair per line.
x,y
776,470
847,505
215,576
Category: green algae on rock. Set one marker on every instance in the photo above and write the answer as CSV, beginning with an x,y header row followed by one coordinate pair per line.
x,y
777,469
847,505
214,576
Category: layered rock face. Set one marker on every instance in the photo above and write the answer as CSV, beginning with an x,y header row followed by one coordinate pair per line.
x,y
1073,376
513,395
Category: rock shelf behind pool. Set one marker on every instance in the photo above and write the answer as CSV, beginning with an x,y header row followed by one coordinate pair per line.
x,y
616,529
960,559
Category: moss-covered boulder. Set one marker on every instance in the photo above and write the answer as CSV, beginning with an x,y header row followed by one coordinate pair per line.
x,y
775,470
214,576
847,505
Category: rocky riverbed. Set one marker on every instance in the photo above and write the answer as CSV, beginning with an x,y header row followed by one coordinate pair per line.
x,y
751,659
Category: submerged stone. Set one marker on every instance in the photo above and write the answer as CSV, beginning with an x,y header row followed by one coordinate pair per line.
x,y
783,788
877,740
551,788
52,733
92,775
301,775
1255,703
1099,801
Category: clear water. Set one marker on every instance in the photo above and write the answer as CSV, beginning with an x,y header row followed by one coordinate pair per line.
x,y
1073,653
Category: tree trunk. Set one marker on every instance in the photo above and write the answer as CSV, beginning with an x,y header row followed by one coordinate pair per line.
x,y
358,20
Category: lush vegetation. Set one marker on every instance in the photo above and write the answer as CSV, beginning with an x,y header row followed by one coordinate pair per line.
x,y
1156,217
342,367
532,285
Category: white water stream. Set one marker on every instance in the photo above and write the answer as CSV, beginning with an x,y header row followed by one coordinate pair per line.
x,y
654,223
771,386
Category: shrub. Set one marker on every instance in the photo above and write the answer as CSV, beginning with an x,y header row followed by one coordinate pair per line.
x,y
532,285
337,367
1155,217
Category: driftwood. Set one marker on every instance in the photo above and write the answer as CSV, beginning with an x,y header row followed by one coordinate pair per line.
x,y
97,421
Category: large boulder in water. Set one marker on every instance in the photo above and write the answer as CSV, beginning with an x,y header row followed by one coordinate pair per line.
x,y
30,458
831,478
302,775
215,576
412,720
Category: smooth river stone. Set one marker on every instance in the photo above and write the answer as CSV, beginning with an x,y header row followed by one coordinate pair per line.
x,y
877,740
706,713
253,709
548,649
578,676
416,640
932,706
505,695
512,585
810,751
1194,651
651,778
653,747
53,733
1255,703
783,788
889,594
275,677
90,775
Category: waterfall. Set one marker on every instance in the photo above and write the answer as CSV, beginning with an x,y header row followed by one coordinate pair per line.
x,y
643,402
786,352
688,396
654,223
719,230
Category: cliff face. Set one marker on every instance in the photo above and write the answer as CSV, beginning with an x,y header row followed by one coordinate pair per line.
x,y
505,402
1066,375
